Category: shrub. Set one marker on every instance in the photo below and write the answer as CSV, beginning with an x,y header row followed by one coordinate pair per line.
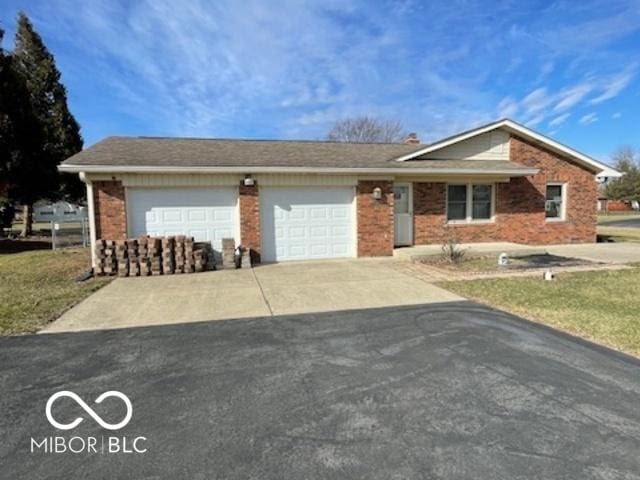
x,y
452,252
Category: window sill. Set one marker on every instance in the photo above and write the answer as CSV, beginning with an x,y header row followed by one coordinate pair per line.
x,y
555,220
469,222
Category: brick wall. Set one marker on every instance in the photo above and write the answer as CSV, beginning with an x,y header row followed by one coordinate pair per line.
x,y
520,215
375,219
110,210
250,220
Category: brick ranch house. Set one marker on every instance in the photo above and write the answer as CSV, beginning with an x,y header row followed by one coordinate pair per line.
x,y
294,200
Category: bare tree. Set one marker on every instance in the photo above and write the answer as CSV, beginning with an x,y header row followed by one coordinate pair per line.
x,y
366,129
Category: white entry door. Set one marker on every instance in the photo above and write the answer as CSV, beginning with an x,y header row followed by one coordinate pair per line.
x,y
300,223
206,214
403,214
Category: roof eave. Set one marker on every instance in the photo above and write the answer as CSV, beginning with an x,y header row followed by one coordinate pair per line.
x,y
71,168
513,127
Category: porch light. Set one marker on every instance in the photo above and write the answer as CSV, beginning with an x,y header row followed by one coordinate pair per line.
x,y
377,193
248,181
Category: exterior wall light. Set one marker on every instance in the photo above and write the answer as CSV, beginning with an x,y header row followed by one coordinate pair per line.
x,y
377,193
248,181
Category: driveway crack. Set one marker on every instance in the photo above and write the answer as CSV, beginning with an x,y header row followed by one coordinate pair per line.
x,y
264,297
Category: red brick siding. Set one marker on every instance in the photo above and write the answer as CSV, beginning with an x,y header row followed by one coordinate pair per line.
x,y
520,215
375,219
250,220
110,210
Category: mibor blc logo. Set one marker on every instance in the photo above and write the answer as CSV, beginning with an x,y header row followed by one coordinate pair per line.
x,y
91,444
89,410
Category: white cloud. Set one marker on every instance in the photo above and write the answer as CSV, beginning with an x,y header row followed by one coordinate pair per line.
x,y
616,115
588,119
289,68
532,122
572,96
613,86
536,101
507,108
559,120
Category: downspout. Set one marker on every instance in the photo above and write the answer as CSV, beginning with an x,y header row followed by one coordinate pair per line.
x,y
92,218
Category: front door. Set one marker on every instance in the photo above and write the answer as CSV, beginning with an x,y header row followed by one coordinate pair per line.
x,y
403,214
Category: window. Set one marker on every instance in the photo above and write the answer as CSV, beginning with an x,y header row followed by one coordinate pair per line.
x,y
468,203
481,202
457,202
554,204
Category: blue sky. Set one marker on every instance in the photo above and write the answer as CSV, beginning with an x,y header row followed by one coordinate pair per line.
x,y
289,69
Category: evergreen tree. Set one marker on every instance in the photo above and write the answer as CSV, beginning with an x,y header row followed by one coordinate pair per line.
x,y
19,139
60,132
627,187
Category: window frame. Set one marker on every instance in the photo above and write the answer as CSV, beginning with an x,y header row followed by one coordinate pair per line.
x,y
469,205
563,207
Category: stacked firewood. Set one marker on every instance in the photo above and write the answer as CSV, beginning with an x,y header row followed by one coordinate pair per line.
x,y
145,256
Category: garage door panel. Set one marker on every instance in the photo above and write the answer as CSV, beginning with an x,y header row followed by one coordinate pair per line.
x,y
206,214
197,215
301,223
318,213
172,216
339,213
316,232
296,213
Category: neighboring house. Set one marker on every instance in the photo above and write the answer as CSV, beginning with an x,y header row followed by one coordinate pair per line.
x,y
45,211
607,174
293,200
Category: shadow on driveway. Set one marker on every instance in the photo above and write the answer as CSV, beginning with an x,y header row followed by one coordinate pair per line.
x,y
453,390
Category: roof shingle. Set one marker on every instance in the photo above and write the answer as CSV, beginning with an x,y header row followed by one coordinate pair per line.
x,y
192,152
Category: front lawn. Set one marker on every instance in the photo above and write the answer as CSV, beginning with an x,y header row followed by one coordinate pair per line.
x,y
603,219
617,234
601,306
38,286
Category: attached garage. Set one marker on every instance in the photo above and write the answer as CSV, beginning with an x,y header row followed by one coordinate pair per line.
x,y
206,214
300,223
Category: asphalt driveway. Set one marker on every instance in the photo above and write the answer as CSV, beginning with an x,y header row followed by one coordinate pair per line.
x,y
453,390
277,289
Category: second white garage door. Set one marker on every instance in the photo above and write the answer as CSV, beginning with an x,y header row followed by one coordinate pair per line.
x,y
207,214
306,223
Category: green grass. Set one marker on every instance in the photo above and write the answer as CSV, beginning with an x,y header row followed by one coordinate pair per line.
x,y
618,234
601,306
36,287
616,217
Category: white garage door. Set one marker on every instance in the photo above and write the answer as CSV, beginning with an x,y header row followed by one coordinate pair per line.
x,y
307,223
206,214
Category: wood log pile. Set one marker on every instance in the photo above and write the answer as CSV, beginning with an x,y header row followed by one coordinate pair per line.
x,y
145,256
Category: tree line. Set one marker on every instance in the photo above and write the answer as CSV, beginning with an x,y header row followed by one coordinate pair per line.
x,y
37,130
627,187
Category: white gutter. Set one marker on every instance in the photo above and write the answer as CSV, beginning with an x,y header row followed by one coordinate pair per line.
x,y
521,172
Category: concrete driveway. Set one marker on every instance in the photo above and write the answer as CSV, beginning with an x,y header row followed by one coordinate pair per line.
x,y
445,391
615,253
276,289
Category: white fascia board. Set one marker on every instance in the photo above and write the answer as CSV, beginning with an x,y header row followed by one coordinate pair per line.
x,y
513,127
525,172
